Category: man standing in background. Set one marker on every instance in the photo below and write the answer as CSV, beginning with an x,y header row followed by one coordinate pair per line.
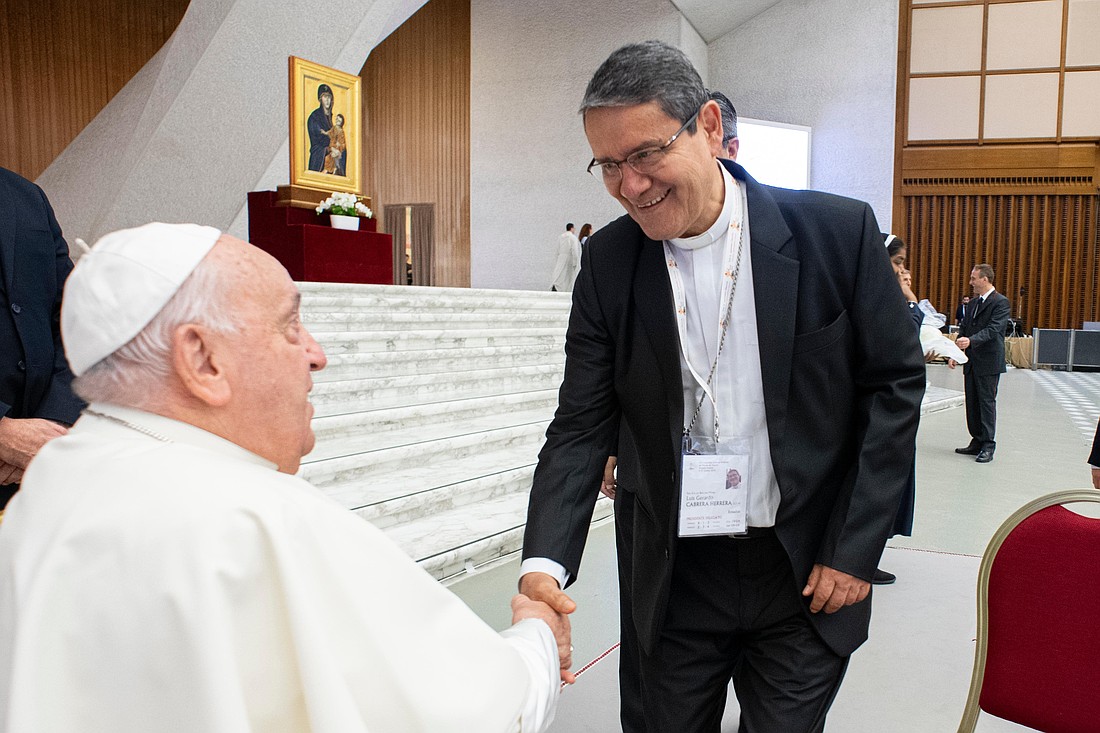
x,y
730,142
982,337
568,262
36,401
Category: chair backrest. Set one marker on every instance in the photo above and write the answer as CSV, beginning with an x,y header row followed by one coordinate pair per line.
x,y
1037,662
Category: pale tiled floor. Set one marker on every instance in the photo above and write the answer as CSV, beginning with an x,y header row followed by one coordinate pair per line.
x,y
912,675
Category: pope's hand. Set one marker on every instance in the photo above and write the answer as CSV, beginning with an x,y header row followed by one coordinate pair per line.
x,y
21,439
832,590
523,607
951,363
542,587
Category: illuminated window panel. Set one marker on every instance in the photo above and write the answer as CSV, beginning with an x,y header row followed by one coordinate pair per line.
x,y
944,108
1082,44
1080,110
946,40
1024,35
775,153
1021,106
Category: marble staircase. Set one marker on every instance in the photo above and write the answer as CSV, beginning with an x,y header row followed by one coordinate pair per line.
x,y
432,410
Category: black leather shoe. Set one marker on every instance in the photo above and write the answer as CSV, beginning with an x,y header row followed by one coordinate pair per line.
x,y
968,451
985,456
883,578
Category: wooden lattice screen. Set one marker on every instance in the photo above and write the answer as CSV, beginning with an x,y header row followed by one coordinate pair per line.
x,y
1045,250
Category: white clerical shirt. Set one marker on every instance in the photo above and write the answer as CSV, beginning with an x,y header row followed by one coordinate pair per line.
x,y
155,577
739,385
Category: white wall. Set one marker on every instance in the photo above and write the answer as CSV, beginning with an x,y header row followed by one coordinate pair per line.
x,y
530,64
829,64
205,121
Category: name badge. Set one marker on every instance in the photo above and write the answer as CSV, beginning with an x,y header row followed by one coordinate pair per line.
x,y
714,487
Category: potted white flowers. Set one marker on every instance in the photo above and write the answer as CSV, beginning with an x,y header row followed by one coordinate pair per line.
x,y
344,210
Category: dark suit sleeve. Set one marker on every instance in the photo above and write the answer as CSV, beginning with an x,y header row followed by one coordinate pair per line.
x,y
998,321
581,436
917,315
889,382
59,403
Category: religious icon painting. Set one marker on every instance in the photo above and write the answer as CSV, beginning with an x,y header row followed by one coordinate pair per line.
x,y
325,128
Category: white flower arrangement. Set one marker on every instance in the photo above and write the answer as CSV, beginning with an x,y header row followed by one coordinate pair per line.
x,y
344,204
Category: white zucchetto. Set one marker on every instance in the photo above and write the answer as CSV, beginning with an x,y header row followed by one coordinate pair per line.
x,y
123,282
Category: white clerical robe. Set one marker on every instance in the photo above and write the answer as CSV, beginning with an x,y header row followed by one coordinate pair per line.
x,y
568,262
170,580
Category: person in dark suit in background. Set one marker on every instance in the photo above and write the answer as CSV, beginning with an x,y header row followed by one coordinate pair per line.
x,y
36,401
730,143
1094,458
960,312
982,337
828,382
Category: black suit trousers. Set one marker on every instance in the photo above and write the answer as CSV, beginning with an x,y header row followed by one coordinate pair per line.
x,y
981,408
784,674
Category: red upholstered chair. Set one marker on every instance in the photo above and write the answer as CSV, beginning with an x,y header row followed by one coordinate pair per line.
x,y
1037,661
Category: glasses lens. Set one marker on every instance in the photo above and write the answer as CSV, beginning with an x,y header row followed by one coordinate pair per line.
x,y
646,161
610,171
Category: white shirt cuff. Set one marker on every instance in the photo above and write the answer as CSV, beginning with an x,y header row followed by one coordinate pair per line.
x,y
545,565
536,645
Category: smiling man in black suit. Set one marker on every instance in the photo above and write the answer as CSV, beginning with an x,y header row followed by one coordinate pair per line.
x,y
677,337
982,337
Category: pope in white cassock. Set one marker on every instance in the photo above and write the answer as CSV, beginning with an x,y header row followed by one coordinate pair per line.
x,y
162,568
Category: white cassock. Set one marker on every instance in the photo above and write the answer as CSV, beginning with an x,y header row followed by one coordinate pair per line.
x,y
177,582
568,263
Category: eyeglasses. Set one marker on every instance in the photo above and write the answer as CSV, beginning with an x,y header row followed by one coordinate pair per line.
x,y
644,161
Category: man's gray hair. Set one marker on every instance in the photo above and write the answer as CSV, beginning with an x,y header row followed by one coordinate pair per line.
x,y
136,374
729,116
651,71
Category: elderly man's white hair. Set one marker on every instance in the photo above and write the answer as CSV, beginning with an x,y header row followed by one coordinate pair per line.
x,y
135,374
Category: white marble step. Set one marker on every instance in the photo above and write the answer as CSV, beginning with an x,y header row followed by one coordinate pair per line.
x,y
356,395
345,342
342,434
413,506
328,297
389,321
430,462
437,361
450,542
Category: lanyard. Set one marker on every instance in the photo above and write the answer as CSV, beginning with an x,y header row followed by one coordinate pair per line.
x,y
730,271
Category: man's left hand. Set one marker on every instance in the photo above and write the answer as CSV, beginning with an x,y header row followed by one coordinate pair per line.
x,y
22,438
832,589
962,342
1096,478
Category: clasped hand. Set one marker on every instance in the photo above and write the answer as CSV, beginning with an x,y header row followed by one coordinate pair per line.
x,y
540,597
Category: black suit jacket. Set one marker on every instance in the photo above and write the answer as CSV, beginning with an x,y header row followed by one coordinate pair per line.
x,y
34,259
985,326
843,381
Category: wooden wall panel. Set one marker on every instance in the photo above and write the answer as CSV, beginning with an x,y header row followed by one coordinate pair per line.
x,y
416,108
1030,209
61,62
1046,245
